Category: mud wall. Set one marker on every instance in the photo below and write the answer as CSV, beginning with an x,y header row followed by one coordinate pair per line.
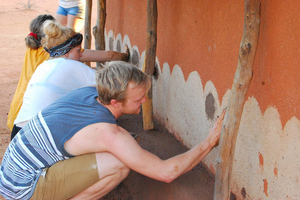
x,y
197,52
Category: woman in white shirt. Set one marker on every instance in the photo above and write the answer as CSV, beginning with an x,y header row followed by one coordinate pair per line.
x,y
58,76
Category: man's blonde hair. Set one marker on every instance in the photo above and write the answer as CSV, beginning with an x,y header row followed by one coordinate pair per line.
x,y
112,81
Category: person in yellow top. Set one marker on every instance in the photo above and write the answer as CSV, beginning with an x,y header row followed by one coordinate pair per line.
x,y
35,55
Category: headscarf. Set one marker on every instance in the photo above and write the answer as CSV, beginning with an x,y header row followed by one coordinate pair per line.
x,y
65,47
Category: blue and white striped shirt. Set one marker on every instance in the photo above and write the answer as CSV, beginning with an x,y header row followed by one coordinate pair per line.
x,y
40,144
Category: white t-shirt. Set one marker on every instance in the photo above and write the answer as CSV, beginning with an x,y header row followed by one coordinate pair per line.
x,y
70,3
52,80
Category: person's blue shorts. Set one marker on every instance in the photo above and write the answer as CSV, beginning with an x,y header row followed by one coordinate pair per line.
x,y
76,11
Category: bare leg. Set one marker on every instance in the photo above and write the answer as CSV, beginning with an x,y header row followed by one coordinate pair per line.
x,y
111,172
75,23
61,19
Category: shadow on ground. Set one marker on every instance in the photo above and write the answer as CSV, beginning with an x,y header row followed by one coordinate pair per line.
x,y
196,184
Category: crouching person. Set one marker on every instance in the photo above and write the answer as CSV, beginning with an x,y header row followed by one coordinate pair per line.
x,y
74,148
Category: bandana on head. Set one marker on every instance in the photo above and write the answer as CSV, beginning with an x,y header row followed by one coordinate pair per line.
x,y
65,47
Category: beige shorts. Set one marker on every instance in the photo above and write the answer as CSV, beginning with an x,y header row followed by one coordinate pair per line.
x,y
67,178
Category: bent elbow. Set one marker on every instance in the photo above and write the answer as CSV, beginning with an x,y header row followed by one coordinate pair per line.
x,y
170,173
168,178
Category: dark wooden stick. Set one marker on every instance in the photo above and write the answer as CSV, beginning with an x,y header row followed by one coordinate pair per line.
x,y
87,27
237,98
98,30
149,64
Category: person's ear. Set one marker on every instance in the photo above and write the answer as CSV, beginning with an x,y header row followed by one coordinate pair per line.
x,y
114,103
67,55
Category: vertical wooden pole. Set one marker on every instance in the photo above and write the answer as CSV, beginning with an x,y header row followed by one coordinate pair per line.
x,y
237,98
87,27
149,64
98,30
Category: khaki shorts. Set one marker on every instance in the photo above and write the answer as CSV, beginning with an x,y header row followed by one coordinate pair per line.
x,y
67,178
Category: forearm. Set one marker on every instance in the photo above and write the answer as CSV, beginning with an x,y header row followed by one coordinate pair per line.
x,y
188,160
118,56
170,169
204,148
210,142
89,55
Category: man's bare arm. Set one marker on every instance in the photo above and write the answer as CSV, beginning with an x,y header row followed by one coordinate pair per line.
x,y
114,139
144,162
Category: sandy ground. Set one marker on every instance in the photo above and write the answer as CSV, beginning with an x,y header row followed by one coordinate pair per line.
x,y
14,27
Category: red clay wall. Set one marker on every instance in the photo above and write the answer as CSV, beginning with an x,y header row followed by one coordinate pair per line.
x,y
197,53
204,36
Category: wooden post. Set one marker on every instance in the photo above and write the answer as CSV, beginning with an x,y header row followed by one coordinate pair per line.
x,y
237,98
98,30
149,64
87,27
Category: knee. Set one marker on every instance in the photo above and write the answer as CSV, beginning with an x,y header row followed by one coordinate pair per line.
x,y
108,164
122,170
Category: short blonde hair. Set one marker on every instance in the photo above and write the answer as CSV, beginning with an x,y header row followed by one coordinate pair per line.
x,y
112,81
55,34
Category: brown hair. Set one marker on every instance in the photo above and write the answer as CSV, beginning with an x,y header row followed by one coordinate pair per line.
x,y
35,27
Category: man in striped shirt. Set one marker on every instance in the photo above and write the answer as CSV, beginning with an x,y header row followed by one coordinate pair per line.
x,y
74,149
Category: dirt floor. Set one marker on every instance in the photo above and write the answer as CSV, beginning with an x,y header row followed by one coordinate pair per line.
x,y
197,184
14,26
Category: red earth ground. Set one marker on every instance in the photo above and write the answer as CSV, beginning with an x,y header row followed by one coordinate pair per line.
x,y
15,19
